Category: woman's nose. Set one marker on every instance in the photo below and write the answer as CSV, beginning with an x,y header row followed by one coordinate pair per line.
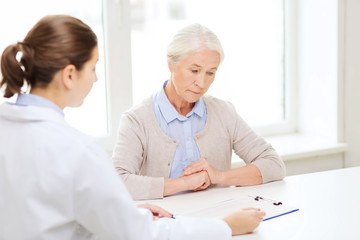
x,y
200,81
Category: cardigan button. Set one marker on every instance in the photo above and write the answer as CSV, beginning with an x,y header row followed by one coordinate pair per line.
x,y
168,164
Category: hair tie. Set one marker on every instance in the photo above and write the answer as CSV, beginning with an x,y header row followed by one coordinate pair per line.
x,y
18,57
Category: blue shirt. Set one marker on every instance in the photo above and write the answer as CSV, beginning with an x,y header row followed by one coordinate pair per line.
x,y
34,100
181,128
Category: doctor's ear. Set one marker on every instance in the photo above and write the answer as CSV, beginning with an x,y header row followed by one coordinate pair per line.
x,y
68,76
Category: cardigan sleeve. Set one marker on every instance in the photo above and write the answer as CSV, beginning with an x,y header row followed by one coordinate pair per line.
x,y
253,149
128,155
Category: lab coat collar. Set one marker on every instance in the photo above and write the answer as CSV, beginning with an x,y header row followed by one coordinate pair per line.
x,y
29,113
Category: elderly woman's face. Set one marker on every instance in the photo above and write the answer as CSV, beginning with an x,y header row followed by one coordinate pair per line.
x,y
194,74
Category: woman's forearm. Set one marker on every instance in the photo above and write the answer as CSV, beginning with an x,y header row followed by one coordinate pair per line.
x,y
243,176
174,185
196,181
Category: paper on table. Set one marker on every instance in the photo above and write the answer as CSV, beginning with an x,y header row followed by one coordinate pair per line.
x,y
271,207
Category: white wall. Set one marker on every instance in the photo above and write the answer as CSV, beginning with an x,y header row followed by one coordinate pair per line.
x,y
351,91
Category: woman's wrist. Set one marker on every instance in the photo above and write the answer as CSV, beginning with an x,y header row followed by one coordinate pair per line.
x,y
174,185
218,177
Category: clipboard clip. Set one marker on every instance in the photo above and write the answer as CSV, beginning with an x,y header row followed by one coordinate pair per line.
x,y
276,203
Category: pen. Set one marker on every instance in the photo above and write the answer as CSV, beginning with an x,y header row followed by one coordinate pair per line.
x,y
172,217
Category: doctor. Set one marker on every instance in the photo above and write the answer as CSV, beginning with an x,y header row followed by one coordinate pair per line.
x,y
57,183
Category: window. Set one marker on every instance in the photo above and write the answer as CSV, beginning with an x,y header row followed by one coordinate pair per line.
x,y
277,61
91,117
252,33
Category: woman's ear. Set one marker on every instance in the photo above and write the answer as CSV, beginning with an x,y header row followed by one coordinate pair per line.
x,y
68,76
171,66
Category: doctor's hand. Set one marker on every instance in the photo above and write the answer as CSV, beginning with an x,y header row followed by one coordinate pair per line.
x,y
244,220
196,181
156,210
203,165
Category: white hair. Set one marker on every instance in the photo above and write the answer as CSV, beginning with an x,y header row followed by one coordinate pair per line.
x,y
193,38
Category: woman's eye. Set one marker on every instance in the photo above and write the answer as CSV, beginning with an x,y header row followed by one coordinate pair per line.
x,y
194,70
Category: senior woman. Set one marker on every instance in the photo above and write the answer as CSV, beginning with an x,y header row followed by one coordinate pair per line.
x,y
181,139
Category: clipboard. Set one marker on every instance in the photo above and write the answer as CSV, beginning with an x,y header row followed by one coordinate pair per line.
x,y
272,208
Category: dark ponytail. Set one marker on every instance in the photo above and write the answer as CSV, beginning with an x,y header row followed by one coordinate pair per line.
x,y
53,43
13,70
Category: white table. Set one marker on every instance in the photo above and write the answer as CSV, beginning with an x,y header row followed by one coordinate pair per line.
x,y
329,204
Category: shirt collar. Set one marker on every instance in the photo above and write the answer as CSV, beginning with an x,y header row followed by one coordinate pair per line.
x,y
34,100
169,112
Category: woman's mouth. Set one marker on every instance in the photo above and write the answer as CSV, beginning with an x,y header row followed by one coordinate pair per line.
x,y
196,93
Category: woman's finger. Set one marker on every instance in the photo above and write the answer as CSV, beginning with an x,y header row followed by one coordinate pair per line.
x,y
193,168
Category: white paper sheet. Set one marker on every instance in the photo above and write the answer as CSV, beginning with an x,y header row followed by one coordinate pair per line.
x,y
271,207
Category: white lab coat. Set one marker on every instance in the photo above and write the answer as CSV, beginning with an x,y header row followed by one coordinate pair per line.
x,y
57,183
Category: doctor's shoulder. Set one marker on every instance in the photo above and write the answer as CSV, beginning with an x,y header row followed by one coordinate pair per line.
x,y
76,141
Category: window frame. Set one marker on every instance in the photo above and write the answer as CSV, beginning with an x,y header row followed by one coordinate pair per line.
x,y
290,124
116,21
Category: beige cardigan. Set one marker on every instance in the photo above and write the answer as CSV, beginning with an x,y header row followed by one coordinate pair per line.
x,y
143,153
